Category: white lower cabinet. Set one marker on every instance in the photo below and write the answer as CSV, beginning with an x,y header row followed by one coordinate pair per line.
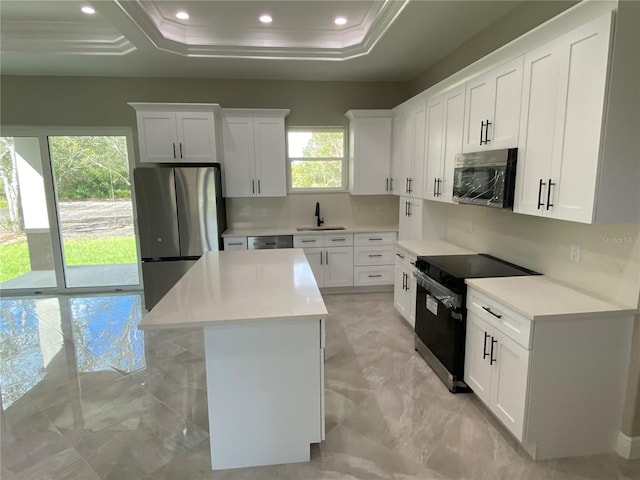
x,y
332,265
555,382
496,368
405,286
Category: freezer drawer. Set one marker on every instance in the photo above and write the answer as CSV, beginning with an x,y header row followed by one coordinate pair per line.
x,y
159,277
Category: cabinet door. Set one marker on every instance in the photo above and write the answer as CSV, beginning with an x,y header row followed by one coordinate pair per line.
x,y
477,370
196,137
315,257
537,128
583,78
157,137
400,296
493,97
433,148
271,179
451,142
416,173
509,382
395,182
408,144
239,164
338,267
415,219
412,291
371,155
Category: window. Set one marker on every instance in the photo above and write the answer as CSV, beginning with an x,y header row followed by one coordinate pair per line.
x,y
316,159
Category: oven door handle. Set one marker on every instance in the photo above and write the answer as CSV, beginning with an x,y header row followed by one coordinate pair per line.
x,y
449,298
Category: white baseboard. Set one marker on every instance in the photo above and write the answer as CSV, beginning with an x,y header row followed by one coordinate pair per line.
x,y
628,447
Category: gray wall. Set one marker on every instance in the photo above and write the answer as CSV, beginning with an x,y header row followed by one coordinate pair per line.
x,y
518,21
102,101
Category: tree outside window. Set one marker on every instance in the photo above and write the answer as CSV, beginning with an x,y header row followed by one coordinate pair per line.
x,y
316,158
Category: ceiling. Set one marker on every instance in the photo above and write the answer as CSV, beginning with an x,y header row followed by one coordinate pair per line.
x,y
382,40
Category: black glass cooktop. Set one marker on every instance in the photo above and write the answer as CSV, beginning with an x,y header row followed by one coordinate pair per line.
x,y
451,270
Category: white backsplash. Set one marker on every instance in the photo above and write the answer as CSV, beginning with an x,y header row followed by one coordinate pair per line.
x,y
296,210
609,260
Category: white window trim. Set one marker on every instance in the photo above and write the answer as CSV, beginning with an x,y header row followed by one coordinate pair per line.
x,y
344,159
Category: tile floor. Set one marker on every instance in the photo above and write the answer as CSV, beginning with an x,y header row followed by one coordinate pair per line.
x,y
87,396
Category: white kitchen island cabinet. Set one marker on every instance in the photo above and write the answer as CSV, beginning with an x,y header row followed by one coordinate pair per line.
x,y
263,319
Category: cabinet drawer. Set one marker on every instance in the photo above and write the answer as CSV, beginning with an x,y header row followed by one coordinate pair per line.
x,y
338,240
373,275
307,241
373,256
235,243
510,323
386,238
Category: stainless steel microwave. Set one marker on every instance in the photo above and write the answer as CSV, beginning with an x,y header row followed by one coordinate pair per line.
x,y
486,178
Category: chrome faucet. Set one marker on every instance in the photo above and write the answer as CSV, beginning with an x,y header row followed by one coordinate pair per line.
x,y
319,219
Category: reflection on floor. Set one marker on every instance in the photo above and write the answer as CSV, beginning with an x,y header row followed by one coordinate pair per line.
x,y
87,396
79,276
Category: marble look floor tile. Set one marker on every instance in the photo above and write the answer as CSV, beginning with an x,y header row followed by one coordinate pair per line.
x,y
193,341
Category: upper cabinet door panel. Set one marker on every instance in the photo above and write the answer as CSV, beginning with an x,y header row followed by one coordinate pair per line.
x,y
537,128
583,78
271,180
370,155
433,148
492,109
239,167
196,137
452,140
157,137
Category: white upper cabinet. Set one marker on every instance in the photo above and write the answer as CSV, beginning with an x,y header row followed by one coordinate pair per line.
x,y
492,108
445,121
176,132
411,131
254,153
369,151
397,137
410,219
574,162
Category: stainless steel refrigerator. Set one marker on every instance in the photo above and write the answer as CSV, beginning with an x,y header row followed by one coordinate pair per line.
x,y
181,215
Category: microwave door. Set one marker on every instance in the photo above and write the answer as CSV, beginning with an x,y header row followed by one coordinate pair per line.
x,y
476,185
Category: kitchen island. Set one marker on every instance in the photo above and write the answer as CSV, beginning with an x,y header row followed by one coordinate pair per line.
x,y
263,319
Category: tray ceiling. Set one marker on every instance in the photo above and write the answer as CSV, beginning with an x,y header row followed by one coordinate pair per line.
x,y
382,40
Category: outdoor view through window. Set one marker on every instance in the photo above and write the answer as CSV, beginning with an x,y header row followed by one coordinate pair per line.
x,y
316,158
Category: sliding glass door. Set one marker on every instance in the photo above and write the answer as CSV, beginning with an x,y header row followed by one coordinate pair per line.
x,y
66,214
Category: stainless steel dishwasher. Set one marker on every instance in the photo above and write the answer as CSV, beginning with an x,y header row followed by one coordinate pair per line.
x,y
274,241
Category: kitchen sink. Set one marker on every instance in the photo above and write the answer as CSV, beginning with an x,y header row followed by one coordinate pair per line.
x,y
319,229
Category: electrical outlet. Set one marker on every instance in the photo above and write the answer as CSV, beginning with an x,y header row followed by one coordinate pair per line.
x,y
470,226
574,255
263,212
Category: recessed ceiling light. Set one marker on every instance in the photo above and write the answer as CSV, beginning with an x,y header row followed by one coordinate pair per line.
x,y
182,15
340,21
266,18
88,10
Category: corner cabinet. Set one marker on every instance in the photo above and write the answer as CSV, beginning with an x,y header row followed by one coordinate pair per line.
x,y
492,108
254,156
578,147
369,151
445,121
177,132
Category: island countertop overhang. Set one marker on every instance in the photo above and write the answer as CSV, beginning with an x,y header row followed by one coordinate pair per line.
x,y
240,286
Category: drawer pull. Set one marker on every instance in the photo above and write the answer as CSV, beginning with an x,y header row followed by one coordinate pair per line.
x,y
398,255
375,239
235,243
375,276
376,255
308,241
487,309
338,239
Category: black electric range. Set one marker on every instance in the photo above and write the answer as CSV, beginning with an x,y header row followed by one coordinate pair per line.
x,y
441,308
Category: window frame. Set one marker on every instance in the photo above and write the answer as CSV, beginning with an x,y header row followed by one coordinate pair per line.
x,y
343,159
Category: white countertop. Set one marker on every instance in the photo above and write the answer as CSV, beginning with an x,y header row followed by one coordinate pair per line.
x,y
538,297
263,232
232,286
432,247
